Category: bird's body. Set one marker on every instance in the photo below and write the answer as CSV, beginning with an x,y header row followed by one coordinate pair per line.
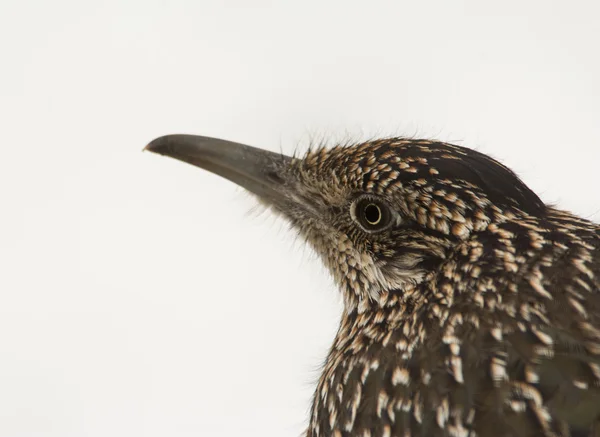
x,y
502,340
470,307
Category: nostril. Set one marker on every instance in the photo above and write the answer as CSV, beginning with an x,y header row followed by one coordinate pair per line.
x,y
274,176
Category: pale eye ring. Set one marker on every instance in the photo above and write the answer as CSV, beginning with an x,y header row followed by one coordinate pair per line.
x,y
371,214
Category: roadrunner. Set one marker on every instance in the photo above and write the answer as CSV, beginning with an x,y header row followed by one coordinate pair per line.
x,y
471,308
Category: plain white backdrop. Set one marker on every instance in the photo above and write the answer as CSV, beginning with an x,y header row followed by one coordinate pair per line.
x,y
137,295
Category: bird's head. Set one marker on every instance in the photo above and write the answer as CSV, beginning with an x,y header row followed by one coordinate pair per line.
x,y
383,215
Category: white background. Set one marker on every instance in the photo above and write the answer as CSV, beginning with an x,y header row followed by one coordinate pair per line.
x,y
137,296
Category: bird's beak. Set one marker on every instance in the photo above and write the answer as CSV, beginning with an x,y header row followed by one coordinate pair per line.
x,y
258,171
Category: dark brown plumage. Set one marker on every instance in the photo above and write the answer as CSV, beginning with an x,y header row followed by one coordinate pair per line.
x,y
470,307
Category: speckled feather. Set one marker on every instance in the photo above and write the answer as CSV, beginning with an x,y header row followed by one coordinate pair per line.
x,y
479,315
475,310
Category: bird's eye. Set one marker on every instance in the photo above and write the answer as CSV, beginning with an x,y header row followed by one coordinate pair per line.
x,y
371,214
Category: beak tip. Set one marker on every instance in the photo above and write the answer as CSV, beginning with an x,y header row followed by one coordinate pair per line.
x,y
159,145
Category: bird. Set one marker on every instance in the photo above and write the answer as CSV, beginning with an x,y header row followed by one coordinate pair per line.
x,y
471,308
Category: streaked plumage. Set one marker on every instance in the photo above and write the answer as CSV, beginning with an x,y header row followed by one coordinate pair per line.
x,y
475,310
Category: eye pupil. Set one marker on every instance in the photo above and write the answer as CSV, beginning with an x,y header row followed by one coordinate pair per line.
x,y
372,214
